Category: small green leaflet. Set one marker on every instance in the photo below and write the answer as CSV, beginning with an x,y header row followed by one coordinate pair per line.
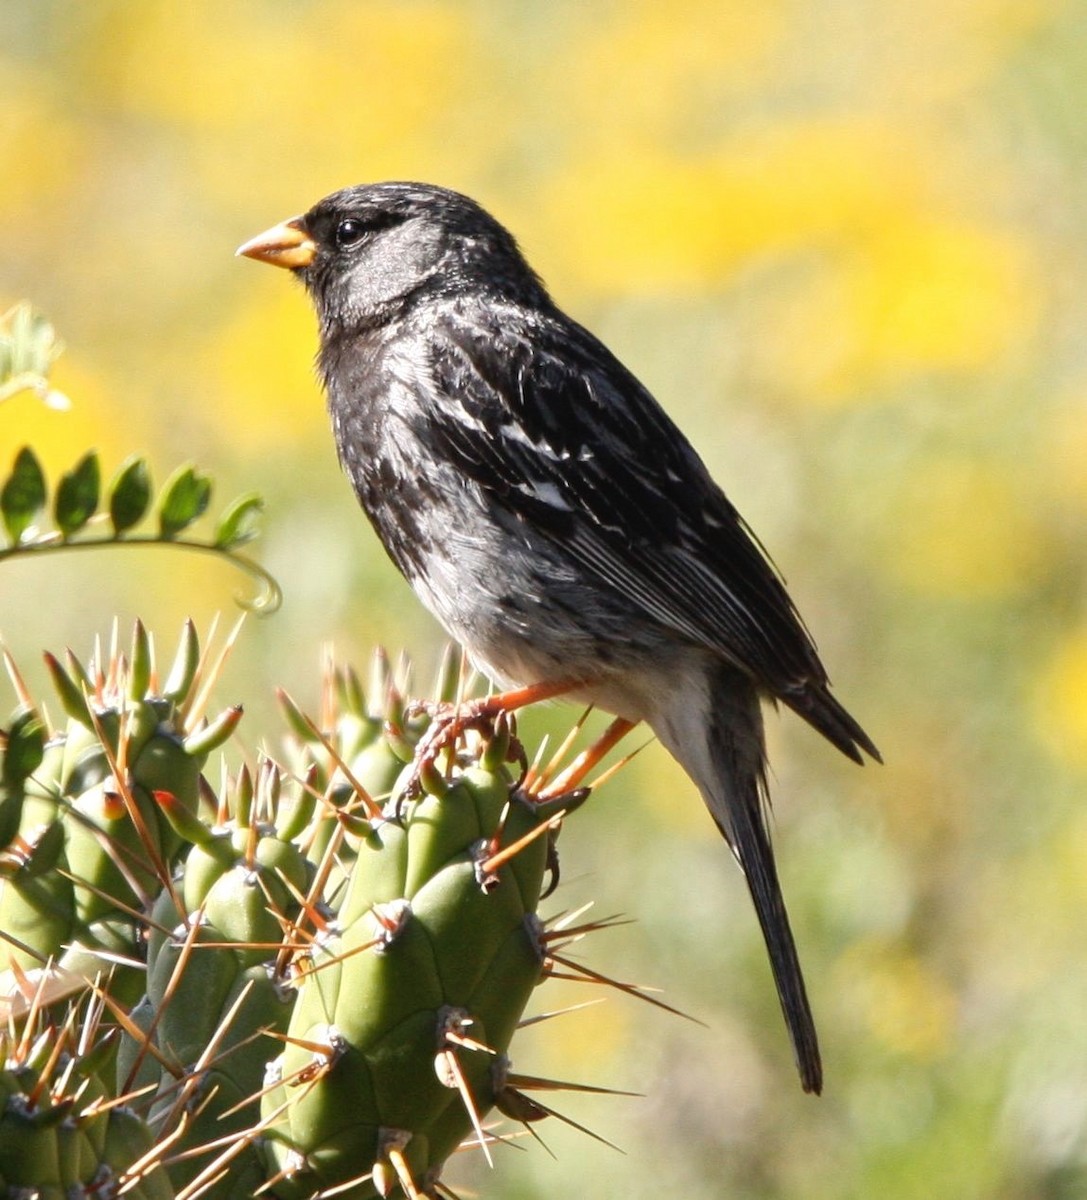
x,y
129,495
184,498
77,496
23,495
238,524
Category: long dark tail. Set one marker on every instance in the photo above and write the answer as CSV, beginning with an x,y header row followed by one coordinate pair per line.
x,y
750,842
724,752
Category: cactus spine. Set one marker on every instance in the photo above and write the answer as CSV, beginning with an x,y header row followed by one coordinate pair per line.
x,y
305,980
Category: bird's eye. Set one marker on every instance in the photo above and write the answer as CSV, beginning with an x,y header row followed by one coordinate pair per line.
x,y
349,232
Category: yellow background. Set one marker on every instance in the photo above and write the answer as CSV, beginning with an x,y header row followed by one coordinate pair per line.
x,y
844,244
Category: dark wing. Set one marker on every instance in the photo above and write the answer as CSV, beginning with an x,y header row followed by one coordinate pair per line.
x,y
562,436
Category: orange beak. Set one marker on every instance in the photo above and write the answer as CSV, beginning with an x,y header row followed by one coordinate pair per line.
x,y
285,245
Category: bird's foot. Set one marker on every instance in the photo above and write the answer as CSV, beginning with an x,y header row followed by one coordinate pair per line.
x,y
448,724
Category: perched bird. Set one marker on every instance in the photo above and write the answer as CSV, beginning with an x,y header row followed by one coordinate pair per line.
x,y
550,514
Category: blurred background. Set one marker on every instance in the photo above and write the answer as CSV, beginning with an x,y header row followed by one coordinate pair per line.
x,y
844,244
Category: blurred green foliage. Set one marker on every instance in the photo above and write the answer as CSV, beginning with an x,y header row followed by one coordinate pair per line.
x,y
844,244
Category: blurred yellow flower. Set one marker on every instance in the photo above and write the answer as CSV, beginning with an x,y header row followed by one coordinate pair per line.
x,y
650,72
943,295
1064,452
645,222
284,69
263,359
97,419
919,296
903,1002
651,220
39,147
301,100
884,281
1060,701
960,528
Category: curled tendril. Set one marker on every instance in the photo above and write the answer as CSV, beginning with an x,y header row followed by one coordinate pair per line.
x,y
269,596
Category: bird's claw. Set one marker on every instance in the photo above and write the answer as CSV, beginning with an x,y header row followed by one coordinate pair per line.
x,y
448,722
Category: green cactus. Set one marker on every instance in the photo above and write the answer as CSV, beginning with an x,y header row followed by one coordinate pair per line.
x,y
63,1135
307,983
410,997
356,755
90,846
214,989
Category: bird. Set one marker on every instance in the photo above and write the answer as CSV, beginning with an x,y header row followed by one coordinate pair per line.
x,y
551,515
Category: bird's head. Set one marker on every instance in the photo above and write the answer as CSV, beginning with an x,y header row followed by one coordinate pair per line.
x,y
367,253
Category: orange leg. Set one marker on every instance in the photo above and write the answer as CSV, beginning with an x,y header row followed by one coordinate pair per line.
x,y
469,714
449,721
517,698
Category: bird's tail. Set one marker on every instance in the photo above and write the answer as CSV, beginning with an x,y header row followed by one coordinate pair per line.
x,y
729,768
750,843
